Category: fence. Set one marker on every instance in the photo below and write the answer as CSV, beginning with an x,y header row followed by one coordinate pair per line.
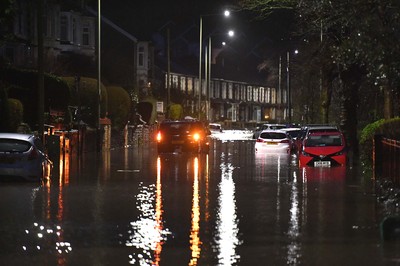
x,y
386,158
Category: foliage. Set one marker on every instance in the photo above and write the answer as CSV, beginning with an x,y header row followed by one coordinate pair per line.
x,y
119,106
23,85
175,112
390,128
85,94
16,111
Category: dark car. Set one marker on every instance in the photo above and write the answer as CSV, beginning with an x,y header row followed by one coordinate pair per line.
x,y
22,156
182,136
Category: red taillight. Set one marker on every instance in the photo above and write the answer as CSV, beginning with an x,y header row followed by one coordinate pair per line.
x,y
33,154
196,136
285,141
158,137
260,140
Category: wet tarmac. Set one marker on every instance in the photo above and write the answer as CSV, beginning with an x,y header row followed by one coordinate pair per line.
x,y
230,207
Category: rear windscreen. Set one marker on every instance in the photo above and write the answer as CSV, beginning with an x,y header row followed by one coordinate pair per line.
x,y
11,145
324,140
272,135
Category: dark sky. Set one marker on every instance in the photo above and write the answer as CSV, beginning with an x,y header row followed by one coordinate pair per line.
x,y
141,17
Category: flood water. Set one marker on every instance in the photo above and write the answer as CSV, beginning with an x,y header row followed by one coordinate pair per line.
x,y
230,207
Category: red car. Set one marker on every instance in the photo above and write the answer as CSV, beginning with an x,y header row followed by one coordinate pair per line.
x,y
323,149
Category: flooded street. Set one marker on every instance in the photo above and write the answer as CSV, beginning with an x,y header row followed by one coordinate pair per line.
x,y
230,207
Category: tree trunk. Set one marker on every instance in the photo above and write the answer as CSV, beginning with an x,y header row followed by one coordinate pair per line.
x,y
349,120
387,102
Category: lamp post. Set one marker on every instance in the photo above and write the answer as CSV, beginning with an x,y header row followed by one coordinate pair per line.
x,y
98,73
289,96
226,14
200,56
208,63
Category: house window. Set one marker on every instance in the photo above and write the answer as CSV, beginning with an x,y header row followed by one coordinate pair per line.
x,y
141,56
64,28
85,35
223,91
249,93
73,30
273,95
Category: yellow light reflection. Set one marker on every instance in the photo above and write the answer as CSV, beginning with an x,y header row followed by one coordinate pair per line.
x,y
159,211
194,232
147,234
207,203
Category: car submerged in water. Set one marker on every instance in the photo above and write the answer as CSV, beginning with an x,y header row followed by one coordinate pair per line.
x,y
323,149
22,157
273,141
182,136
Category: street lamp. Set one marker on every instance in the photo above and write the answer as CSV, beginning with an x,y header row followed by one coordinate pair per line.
x,y
289,96
226,14
208,62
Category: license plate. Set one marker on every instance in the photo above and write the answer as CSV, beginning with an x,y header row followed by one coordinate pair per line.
x,y
272,143
322,164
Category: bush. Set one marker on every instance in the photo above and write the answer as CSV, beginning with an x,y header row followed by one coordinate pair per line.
x,y
389,128
175,112
15,111
87,98
119,107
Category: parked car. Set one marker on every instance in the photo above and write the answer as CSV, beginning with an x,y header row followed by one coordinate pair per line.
x,y
323,149
266,126
273,141
22,156
293,133
306,130
215,127
183,136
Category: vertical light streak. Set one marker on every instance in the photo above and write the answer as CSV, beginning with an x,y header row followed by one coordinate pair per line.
x,y
194,232
227,222
158,249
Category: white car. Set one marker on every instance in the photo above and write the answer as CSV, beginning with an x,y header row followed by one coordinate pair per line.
x,y
22,156
214,127
274,141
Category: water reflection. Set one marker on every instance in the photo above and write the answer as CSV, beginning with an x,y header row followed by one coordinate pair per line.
x,y
294,247
227,229
195,228
148,234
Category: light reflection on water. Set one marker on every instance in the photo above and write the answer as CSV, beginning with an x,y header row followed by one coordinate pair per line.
x,y
148,234
195,243
227,229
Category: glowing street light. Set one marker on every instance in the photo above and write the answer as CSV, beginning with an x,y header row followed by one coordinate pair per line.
x,y
226,14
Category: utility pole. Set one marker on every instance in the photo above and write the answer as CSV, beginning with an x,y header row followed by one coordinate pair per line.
x,y
40,69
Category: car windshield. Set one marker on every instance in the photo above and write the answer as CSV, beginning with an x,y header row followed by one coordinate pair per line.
x,y
12,145
217,127
272,135
324,140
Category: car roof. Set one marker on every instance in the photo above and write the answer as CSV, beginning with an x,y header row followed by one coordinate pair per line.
x,y
291,129
325,133
273,131
19,136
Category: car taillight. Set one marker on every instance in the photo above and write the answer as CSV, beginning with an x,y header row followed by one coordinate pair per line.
x,y
259,140
196,136
33,154
158,137
285,141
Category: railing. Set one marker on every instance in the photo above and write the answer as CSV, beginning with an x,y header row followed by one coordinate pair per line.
x,y
386,158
